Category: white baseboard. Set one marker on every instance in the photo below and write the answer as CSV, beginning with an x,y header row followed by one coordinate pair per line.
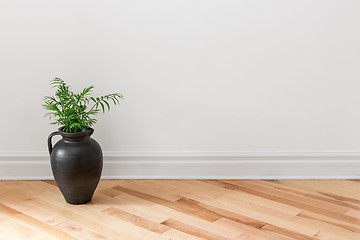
x,y
197,165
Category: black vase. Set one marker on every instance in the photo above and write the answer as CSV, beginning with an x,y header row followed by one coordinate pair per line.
x,y
76,163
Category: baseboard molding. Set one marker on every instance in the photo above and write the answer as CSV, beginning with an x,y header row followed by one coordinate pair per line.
x,y
197,165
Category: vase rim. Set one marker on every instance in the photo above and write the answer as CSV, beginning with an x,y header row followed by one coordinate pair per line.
x,y
84,133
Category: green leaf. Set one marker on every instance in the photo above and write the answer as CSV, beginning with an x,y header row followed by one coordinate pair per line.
x,y
102,106
107,104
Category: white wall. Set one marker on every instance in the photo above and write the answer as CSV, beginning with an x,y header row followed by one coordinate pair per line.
x,y
197,75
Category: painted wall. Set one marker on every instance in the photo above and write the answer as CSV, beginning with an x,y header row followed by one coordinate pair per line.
x,y
197,75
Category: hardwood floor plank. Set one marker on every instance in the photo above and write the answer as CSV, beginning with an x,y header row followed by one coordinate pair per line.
x,y
181,206
341,198
197,210
11,229
179,215
260,199
110,192
193,230
184,210
51,182
333,235
89,217
186,189
272,216
288,198
8,186
28,220
250,231
189,219
304,191
131,204
54,204
353,213
312,192
174,234
286,232
139,221
344,188
199,187
18,200
80,231
331,231
37,187
230,215
152,188
343,221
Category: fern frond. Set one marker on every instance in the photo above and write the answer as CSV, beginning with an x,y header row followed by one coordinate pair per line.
x,y
70,109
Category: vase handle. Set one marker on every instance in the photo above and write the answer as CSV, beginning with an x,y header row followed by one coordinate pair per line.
x,y
49,140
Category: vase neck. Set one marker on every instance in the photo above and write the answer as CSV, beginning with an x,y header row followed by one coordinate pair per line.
x,y
77,137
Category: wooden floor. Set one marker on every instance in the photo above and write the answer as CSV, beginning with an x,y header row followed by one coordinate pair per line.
x,y
184,209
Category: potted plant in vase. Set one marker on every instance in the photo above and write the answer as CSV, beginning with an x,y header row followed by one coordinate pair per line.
x,y
76,159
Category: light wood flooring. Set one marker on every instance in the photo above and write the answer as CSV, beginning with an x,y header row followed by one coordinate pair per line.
x,y
185,209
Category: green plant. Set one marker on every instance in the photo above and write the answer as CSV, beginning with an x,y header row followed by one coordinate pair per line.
x,y
71,110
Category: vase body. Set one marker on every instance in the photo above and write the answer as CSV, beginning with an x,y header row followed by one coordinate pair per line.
x,y
76,163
